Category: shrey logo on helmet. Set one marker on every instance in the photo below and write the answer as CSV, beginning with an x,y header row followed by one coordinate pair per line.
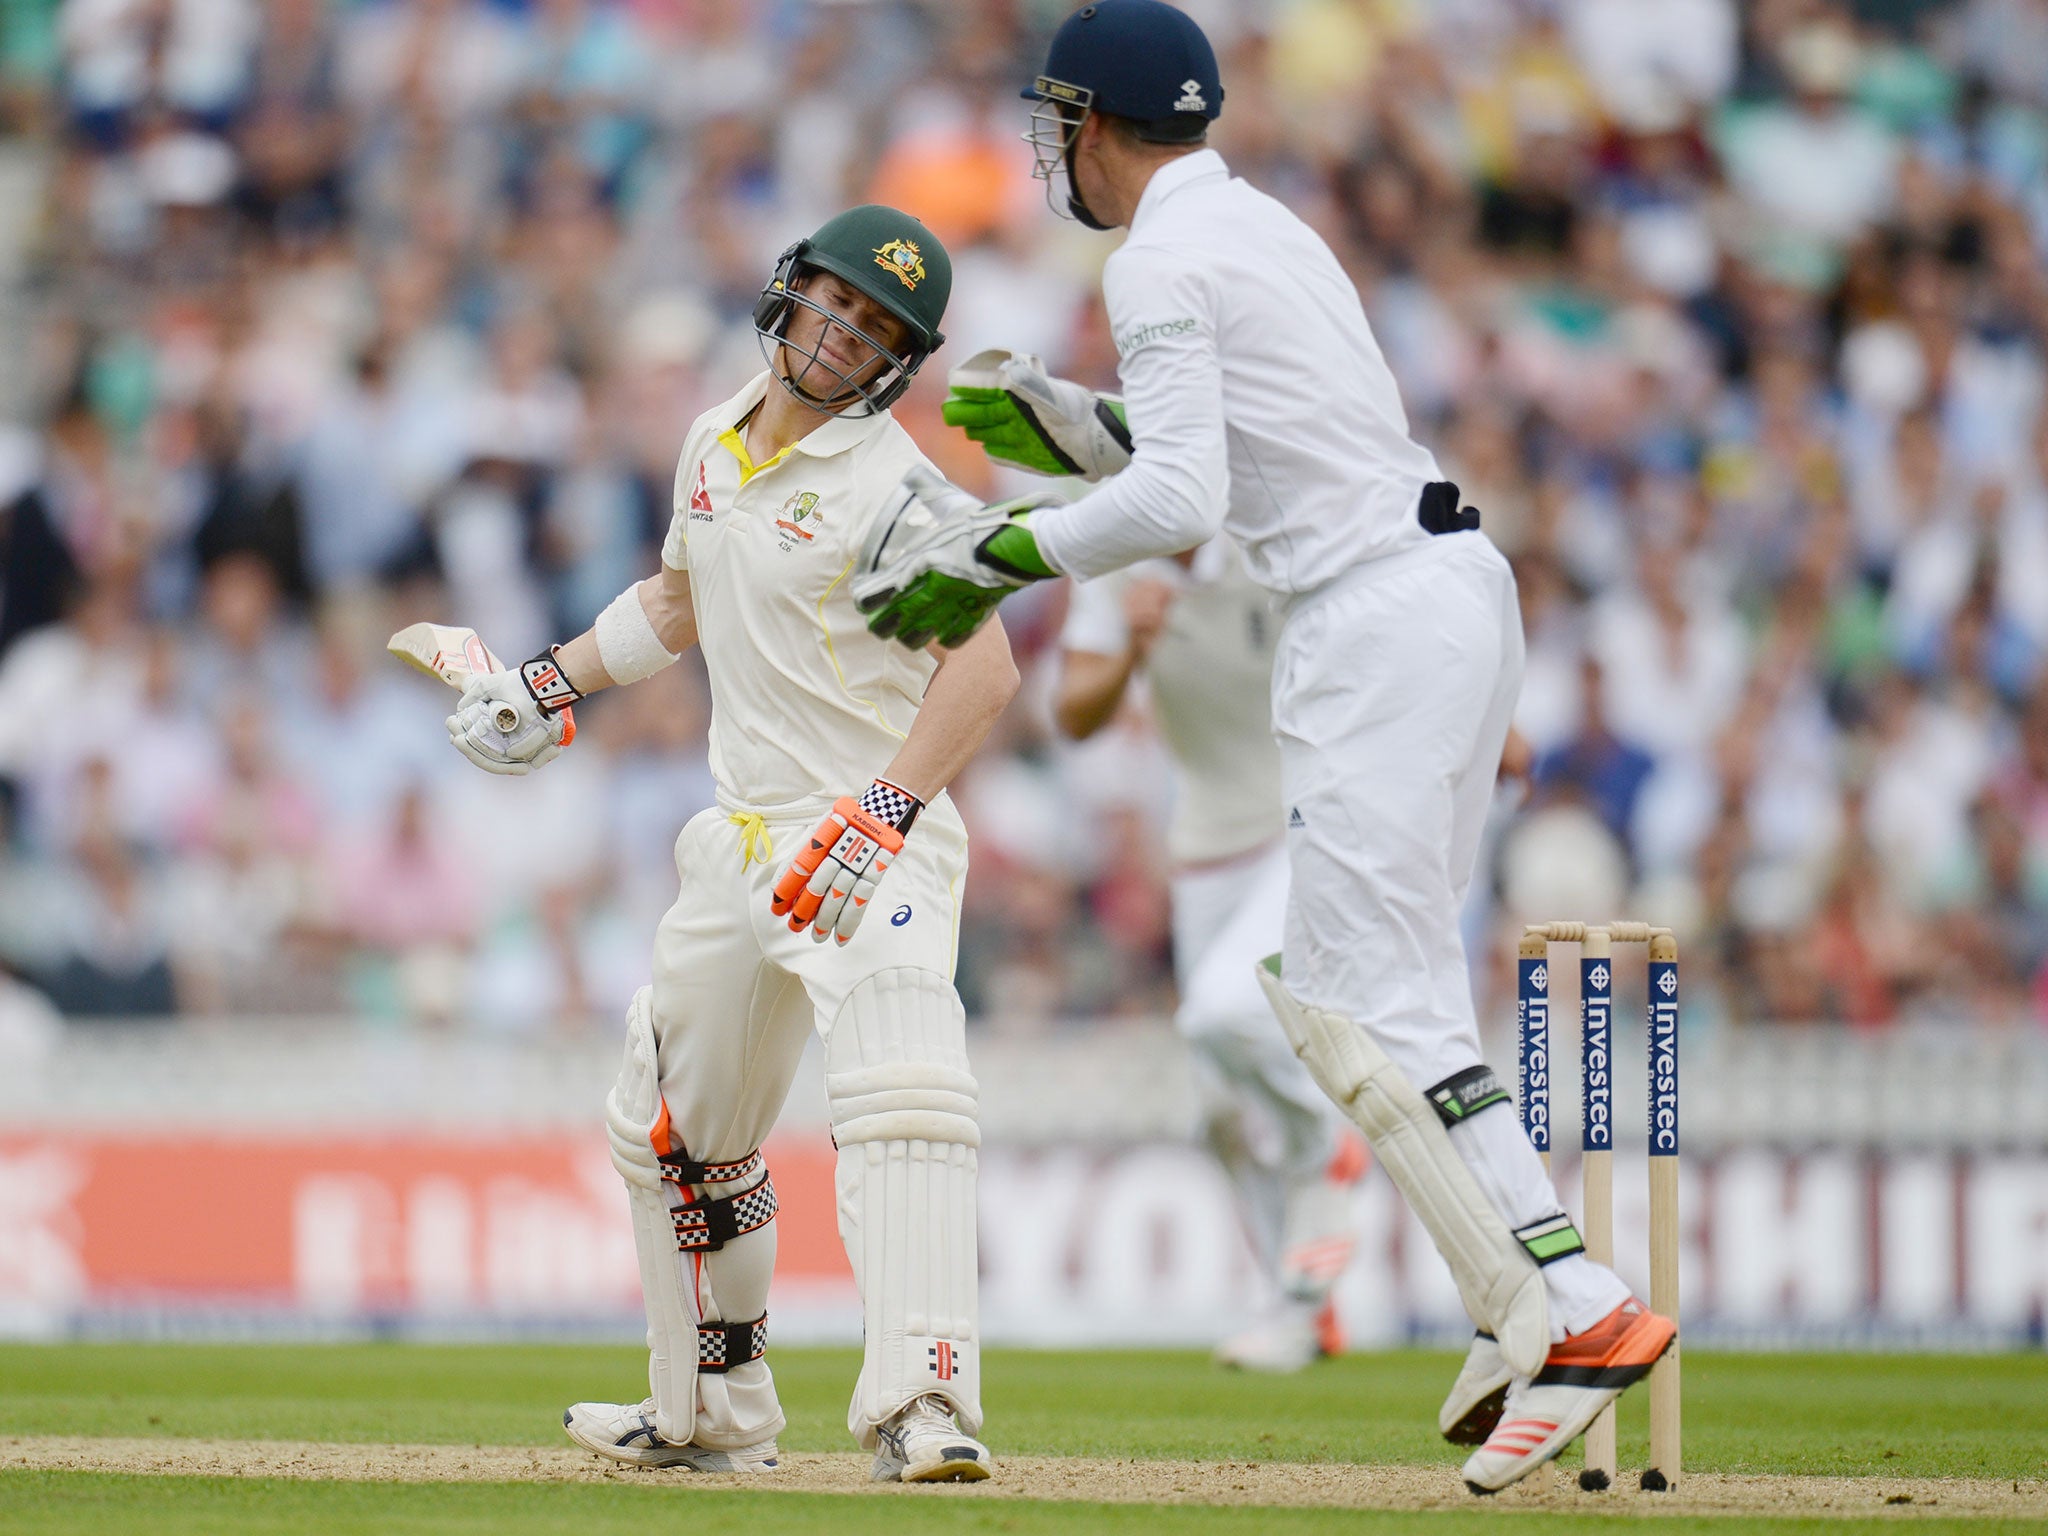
x,y
904,260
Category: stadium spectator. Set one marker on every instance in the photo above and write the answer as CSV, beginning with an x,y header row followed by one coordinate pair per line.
x,y
1733,319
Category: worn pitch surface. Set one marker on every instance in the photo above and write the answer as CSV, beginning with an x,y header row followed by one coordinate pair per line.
x,y
1066,1478
443,1439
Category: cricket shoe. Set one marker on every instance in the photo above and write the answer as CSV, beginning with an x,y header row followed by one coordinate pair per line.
x,y
921,1443
1292,1337
625,1432
1582,1375
1478,1395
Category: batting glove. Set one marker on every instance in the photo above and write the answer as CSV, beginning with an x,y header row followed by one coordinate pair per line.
x,y
1019,413
828,886
515,721
937,561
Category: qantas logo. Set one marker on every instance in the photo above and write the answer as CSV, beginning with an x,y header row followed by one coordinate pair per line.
x,y
700,498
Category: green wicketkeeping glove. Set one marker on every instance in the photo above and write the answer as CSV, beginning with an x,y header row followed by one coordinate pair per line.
x,y
1020,414
937,561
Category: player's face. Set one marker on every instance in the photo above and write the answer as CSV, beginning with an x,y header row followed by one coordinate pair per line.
x,y
823,352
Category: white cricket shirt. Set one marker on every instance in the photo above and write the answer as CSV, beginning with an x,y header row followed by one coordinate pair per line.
x,y
1210,674
806,705
1259,402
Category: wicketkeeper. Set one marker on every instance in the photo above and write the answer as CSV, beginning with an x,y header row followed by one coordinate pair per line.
x,y
822,893
1256,400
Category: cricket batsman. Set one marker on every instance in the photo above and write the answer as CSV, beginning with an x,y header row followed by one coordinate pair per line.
x,y
1256,400
1201,633
821,893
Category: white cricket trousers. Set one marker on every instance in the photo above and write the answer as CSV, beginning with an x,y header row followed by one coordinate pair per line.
x,y
1393,691
735,994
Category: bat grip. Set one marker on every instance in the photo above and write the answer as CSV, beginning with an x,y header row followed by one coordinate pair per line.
x,y
506,719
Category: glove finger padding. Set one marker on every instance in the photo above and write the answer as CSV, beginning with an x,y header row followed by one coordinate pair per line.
x,y
791,887
495,751
858,899
822,883
973,409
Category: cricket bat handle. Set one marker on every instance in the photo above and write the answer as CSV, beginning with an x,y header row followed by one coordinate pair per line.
x,y
455,654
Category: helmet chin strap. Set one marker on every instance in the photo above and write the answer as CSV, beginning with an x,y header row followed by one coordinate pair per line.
x,y
1083,215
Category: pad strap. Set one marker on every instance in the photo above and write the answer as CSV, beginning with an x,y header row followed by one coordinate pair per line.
x,y
679,1168
705,1226
721,1346
1463,1094
1551,1239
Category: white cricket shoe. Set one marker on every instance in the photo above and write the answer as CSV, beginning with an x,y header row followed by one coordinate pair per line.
x,y
625,1432
921,1443
1478,1396
1292,1337
1582,1375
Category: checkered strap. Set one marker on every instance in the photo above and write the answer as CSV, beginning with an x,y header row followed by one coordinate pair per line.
x,y
721,1346
705,1226
680,1168
890,805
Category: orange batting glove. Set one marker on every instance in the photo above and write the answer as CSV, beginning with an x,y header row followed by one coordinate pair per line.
x,y
828,886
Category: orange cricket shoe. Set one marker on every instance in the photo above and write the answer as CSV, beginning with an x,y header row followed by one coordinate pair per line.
x,y
1582,1375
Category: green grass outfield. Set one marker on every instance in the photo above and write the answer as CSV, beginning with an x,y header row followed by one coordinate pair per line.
x,y
1983,1417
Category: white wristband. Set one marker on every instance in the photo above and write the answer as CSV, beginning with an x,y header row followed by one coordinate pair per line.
x,y
626,641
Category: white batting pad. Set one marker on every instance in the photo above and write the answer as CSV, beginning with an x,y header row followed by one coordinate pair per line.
x,y
1500,1283
667,1276
726,1408
904,1115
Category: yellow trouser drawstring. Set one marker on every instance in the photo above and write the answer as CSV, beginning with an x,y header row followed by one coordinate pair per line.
x,y
756,846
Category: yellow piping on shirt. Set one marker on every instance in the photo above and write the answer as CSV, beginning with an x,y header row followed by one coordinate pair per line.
x,y
838,671
756,846
736,445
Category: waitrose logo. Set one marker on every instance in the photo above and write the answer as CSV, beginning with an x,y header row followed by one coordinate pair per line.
x,y
1138,336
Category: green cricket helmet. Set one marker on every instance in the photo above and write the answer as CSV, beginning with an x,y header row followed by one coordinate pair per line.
x,y
890,258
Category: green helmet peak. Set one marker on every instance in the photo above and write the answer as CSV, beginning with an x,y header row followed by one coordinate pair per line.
x,y
889,257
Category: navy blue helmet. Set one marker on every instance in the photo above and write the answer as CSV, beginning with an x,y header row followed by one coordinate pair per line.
x,y
1138,59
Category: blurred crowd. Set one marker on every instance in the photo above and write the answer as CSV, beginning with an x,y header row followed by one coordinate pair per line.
x,y
326,317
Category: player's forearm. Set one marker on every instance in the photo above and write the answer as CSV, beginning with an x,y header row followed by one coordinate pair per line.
x,y
1148,512
670,613
1091,688
973,686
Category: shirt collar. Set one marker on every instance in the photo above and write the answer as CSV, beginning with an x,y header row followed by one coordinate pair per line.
x,y
836,434
1202,165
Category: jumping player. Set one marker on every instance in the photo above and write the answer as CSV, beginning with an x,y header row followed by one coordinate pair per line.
x,y
1202,632
1257,401
773,493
